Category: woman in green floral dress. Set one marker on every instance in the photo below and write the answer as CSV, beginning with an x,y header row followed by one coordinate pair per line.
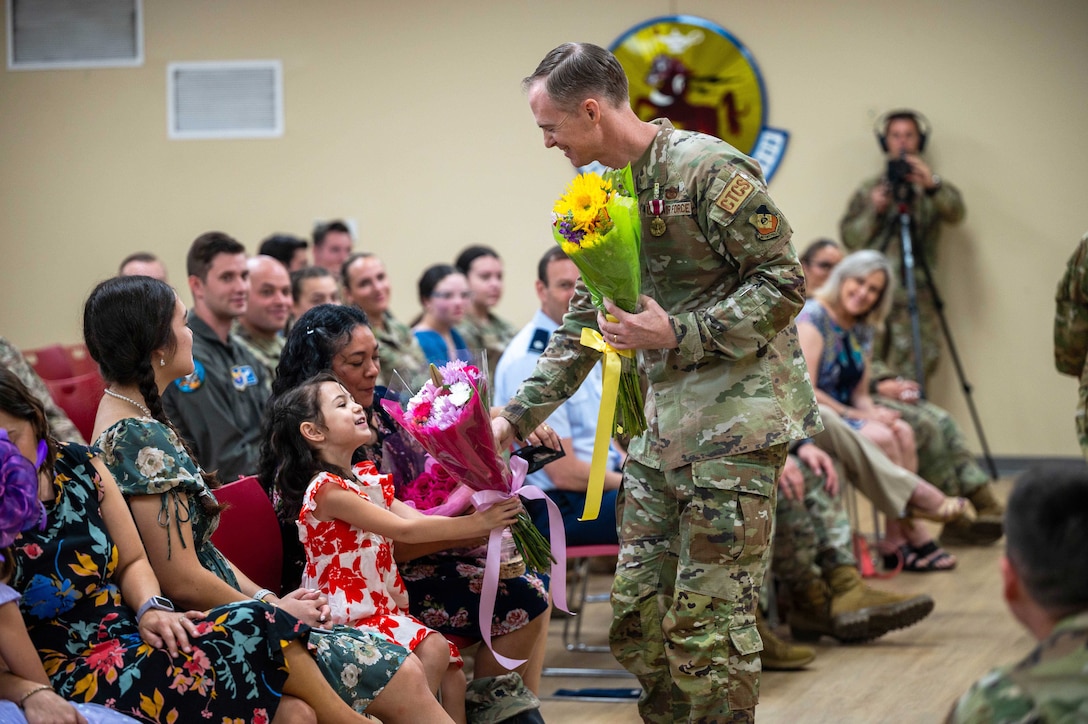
x,y
135,329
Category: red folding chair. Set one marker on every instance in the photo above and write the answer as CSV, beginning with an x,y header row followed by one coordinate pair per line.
x,y
249,532
79,398
51,362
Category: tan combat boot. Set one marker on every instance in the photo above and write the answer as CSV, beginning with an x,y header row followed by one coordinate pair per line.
x,y
886,611
811,616
778,655
987,528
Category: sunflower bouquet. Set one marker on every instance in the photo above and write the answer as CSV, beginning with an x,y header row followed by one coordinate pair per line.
x,y
596,223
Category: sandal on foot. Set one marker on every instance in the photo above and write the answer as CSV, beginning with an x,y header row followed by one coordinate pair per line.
x,y
927,558
949,510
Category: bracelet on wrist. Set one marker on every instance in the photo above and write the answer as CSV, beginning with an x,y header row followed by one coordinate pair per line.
x,y
262,594
32,692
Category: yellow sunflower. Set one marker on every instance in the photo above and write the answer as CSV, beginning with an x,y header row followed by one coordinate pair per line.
x,y
586,195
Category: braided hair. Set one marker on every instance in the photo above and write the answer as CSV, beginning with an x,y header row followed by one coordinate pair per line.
x,y
125,319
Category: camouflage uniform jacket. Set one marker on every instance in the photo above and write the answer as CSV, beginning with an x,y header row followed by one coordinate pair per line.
x,y
398,350
492,335
266,351
59,425
863,228
727,275
1050,685
1071,316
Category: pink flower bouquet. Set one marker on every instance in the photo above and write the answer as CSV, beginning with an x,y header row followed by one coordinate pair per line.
x,y
449,420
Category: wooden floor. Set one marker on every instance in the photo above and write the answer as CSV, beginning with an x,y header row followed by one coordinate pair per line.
x,y
912,675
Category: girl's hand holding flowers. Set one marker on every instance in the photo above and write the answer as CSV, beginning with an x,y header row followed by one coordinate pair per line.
x,y
499,515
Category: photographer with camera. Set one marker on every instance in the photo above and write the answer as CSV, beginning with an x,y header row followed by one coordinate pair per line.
x,y
873,221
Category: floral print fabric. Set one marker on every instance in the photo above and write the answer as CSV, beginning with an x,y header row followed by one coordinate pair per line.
x,y
354,567
147,458
89,639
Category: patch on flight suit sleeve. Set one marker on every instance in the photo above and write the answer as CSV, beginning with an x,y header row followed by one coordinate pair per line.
x,y
243,376
735,194
192,381
766,223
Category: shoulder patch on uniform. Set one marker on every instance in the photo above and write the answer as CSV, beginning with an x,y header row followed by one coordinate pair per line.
x,y
539,340
766,223
736,192
243,376
192,381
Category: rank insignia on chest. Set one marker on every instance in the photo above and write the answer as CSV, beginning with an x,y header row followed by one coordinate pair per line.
x,y
765,223
735,194
243,376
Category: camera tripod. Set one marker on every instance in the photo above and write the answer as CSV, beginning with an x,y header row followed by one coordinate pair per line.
x,y
902,195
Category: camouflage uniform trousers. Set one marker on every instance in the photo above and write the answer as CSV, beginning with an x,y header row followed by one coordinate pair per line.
x,y
893,344
943,457
1082,418
694,546
812,535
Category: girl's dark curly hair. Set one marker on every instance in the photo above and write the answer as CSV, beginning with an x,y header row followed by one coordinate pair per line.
x,y
315,339
288,463
125,319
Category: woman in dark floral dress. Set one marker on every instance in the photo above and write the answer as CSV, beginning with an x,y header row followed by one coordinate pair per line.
x,y
84,572
443,579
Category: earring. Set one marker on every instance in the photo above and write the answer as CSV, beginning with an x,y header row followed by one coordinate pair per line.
x,y
162,362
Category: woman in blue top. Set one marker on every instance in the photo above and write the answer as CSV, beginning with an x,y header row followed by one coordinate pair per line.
x,y
836,330
444,294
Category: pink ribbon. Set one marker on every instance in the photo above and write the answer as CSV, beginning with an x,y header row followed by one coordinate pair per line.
x,y
483,500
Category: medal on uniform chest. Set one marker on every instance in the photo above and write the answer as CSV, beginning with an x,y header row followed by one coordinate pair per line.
x,y
657,207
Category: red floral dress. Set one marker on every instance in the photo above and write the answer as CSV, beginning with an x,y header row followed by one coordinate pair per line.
x,y
354,568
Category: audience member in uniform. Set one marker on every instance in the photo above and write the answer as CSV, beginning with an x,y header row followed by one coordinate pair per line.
x,y
142,263
481,328
260,329
310,287
575,421
287,249
366,286
443,292
332,245
1044,576
217,408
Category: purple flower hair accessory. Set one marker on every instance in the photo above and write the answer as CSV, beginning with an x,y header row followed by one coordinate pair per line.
x,y
20,508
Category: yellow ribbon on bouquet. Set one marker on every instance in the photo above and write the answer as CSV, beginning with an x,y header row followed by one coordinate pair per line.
x,y
611,367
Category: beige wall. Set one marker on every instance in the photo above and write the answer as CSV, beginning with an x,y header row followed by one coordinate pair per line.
x,y
408,118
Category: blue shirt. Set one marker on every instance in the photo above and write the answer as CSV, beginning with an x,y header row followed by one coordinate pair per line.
x,y
576,418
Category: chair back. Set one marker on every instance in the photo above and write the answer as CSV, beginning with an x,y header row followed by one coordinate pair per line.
x,y
249,532
79,398
51,362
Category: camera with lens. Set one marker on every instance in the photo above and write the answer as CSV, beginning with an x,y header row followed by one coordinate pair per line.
x,y
898,171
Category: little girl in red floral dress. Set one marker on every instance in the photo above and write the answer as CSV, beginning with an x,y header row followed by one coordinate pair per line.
x,y
348,521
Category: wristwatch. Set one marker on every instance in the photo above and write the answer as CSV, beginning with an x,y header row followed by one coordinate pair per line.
x,y
157,603
935,187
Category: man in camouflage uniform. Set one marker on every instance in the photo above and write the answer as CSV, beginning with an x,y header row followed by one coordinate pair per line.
x,y
367,287
62,428
872,222
945,461
1045,583
260,328
1071,332
815,562
726,390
